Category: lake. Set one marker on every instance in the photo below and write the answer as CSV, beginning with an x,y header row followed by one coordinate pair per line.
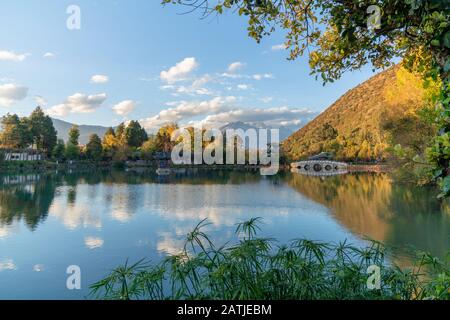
x,y
98,220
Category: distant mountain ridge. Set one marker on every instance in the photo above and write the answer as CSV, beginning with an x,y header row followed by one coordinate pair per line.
x,y
285,132
63,127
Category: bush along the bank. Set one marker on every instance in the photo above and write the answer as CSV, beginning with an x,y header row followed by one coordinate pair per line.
x,y
255,268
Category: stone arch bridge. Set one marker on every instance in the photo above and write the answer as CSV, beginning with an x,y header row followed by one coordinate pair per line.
x,y
320,167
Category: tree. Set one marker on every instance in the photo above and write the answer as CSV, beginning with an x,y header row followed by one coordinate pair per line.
x,y
343,35
72,151
59,150
110,132
122,154
74,135
94,149
119,133
42,130
149,148
109,141
164,136
135,135
327,132
15,132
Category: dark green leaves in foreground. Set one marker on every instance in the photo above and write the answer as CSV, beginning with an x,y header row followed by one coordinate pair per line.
x,y
254,268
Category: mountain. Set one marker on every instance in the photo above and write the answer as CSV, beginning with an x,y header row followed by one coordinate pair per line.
x,y
366,120
285,132
63,128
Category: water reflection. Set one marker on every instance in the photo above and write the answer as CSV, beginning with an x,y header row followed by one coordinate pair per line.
x,y
373,205
26,198
99,219
365,204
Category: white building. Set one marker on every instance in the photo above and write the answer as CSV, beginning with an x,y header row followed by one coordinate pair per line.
x,y
23,155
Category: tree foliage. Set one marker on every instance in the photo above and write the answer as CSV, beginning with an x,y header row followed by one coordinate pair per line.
x,y
36,130
15,133
72,151
94,149
134,134
59,150
74,135
120,132
163,137
336,33
344,35
43,132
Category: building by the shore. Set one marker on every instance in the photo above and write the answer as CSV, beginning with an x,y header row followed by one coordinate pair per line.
x,y
22,155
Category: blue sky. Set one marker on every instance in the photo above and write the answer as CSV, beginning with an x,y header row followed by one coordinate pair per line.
x,y
152,64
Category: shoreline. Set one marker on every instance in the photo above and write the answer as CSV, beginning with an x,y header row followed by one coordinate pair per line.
x,y
48,166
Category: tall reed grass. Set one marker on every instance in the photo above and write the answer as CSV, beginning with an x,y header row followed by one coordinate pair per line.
x,y
255,268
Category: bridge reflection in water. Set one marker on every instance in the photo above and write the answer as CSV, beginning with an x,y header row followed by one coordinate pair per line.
x,y
319,167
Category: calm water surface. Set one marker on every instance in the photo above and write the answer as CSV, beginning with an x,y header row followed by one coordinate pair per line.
x,y
97,220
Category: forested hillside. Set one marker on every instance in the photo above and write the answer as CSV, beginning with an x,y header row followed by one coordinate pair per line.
x,y
368,120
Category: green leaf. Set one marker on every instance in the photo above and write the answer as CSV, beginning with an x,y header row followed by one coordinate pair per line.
x,y
437,173
447,66
435,43
446,185
446,39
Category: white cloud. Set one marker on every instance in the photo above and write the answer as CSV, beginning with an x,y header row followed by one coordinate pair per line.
x,y
235,66
223,110
121,215
7,230
93,242
179,71
199,82
170,245
99,78
49,55
6,80
262,76
11,93
82,214
78,103
266,99
41,101
196,88
243,86
38,268
190,90
184,110
12,56
233,75
278,47
273,117
7,265
125,107
244,76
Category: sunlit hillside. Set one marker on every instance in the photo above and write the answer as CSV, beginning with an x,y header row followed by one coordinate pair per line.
x,y
366,120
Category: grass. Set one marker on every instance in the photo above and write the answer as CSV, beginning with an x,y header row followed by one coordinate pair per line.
x,y
255,268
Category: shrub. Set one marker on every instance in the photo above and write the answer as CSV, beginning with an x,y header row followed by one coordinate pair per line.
x,y
255,269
